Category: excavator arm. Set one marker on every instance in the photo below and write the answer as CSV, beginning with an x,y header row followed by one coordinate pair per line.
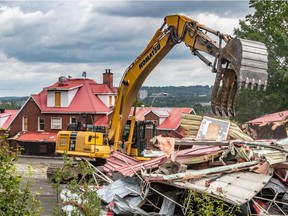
x,y
239,61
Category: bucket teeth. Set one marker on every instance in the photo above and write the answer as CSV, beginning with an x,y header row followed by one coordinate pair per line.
x,y
247,67
224,93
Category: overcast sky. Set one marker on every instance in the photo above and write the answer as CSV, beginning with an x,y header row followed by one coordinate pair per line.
x,y
42,40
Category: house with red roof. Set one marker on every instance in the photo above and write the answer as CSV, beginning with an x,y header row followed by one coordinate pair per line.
x,y
37,123
35,126
166,119
270,126
6,117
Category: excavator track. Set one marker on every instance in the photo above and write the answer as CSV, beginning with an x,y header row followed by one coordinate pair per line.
x,y
62,173
51,172
246,66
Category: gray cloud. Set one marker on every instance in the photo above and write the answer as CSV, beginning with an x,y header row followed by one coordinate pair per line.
x,y
42,40
163,8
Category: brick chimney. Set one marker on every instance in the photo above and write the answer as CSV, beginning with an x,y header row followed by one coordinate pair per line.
x,y
108,77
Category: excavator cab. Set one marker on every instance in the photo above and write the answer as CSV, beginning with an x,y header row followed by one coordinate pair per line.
x,y
140,137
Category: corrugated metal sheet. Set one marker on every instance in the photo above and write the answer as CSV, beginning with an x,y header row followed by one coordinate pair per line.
x,y
196,174
127,166
235,188
190,125
36,137
121,187
272,156
274,117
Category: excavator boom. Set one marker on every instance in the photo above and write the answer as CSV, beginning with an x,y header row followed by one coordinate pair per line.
x,y
236,62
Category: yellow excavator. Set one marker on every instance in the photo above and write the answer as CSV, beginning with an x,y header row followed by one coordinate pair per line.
x,y
236,63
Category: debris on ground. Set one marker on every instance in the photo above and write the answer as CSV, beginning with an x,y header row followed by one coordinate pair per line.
x,y
217,159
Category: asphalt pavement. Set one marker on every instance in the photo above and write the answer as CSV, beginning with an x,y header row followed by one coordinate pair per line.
x,y
40,186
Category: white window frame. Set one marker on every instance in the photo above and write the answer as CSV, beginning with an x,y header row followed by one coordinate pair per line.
x,y
71,119
39,123
56,123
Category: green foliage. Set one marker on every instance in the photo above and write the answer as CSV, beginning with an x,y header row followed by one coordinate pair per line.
x,y
202,204
79,183
16,197
269,25
12,103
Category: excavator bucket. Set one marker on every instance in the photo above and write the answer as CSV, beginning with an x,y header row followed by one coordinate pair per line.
x,y
245,64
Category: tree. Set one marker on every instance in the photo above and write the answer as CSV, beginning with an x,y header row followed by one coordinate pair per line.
x,y
269,25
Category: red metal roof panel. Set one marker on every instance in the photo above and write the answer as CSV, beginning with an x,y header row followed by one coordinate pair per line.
x,y
128,166
103,88
274,117
102,121
84,101
30,136
174,119
10,114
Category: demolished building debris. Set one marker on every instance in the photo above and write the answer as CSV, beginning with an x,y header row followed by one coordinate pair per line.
x,y
251,175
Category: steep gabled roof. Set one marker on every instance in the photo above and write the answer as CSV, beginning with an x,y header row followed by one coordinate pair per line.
x,y
10,114
141,112
161,113
84,101
174,119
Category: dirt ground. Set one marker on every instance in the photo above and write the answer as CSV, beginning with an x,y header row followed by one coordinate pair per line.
x,y
40,185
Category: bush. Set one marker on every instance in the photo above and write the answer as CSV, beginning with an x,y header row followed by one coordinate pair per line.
x,y
78,192
15,195
202,204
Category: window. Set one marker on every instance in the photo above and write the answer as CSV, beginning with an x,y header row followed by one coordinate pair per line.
x,y
151,125
57,99
56,123
73,120
25,123
41,123
110,101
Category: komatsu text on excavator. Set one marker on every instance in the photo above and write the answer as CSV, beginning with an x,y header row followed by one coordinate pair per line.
x,y
236,63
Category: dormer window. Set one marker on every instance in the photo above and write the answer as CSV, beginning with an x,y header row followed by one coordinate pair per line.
x,y
57,99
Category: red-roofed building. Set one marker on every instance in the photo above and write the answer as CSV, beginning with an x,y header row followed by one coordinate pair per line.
x,y
167,119
56,106
270,126
6,116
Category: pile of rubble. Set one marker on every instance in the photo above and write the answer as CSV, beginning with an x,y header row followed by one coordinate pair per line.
x,y
251,175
